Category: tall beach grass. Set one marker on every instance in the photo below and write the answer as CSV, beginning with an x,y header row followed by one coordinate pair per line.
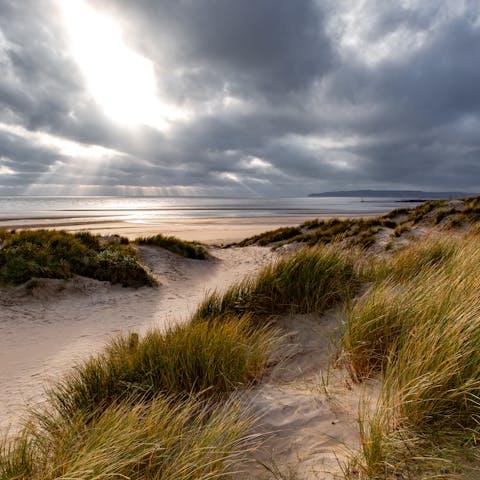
x,y
150,406
183,440
418,326
156,406
310,280
212,358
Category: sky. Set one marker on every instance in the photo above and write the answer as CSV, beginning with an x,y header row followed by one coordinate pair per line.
x,y
229,97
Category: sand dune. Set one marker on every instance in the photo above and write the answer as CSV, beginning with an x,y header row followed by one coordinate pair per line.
x,y
45,329
213,231
307,408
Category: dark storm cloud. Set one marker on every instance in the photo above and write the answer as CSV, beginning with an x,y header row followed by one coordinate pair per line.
x,y
39,82
285,97
275,46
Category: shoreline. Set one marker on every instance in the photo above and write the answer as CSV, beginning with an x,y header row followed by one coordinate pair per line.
x,y
209,230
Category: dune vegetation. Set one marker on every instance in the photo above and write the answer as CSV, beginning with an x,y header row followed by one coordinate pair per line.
x,y
31,254
161,405
166,405
370,232
161,439
155,406
310,280
175,245
417,328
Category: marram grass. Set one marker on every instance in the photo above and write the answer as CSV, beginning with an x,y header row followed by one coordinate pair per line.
x,y
310,280
185,440
175,245
204,357
418,326
148,408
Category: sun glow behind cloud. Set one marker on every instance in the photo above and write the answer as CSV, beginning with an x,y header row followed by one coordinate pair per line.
x,y
4,170
120,80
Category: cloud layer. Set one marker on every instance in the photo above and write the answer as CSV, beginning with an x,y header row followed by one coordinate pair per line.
x,y
275,98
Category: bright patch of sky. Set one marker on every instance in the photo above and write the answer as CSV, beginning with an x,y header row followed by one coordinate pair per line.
x,y
121,80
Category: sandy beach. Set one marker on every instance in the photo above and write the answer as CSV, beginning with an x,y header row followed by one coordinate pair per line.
x,y
309,400
212,231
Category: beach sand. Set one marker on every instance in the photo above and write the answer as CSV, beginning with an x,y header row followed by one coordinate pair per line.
x,y
308,405
212,231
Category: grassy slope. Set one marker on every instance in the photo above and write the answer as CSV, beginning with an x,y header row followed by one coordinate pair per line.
x,y
418,327
125,412
56,254
365,232
185,439
147,408
310,280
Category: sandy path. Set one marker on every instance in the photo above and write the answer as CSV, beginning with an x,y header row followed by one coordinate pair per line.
x,y
43,331
308,408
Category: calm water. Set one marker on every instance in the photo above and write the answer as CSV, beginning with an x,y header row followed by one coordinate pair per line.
x,y
148,209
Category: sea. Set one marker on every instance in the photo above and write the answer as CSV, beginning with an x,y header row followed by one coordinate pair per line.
x,y
149,210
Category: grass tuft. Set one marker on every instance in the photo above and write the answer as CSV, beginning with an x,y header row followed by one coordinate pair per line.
x,y
418,326
175,245
188,440
148,407
310,280
272,236
210,357
421,211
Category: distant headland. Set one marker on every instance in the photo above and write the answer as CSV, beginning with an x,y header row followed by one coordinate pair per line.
x,y
407,194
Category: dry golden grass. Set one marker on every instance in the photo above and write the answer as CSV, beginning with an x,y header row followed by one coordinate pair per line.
x,y
418,327
161,439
